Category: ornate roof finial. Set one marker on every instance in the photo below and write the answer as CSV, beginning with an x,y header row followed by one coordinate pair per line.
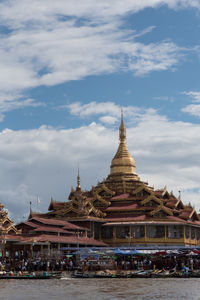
x,y
31,212
122,129
78,187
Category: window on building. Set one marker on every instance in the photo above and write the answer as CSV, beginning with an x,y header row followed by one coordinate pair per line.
x,y
192,233
122,232
137,231
96,231
175,231
198,233
155,231
187,232
107,232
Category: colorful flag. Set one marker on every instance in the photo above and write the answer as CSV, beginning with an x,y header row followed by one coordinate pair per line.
x,y
38,200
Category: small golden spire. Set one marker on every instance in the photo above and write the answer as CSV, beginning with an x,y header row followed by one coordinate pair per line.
x,y
31,212
122,129
78,187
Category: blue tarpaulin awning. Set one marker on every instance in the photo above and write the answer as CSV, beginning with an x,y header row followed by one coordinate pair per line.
x,y
126,252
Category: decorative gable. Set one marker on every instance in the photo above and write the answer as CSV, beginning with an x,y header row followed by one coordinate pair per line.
x,y
179,204
142,190
161,211
193,215
151,200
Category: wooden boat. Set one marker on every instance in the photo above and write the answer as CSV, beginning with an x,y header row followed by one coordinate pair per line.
x,y
92,275
163,274
30,276
139,274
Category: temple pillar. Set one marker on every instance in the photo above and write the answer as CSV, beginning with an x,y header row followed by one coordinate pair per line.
x,y
41,250
114,232
49,249
58,249
31,251
166,232
145,232
130,234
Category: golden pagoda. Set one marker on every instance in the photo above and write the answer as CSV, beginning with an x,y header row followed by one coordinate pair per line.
x,y
8,231
123,210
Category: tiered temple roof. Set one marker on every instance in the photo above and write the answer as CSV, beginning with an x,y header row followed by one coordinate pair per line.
x,y
55,231
7,226
122,198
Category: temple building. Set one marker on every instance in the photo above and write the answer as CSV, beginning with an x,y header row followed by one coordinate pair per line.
x,y
43,237
9,232
123,210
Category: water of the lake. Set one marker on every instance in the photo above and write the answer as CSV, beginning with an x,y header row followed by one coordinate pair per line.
x,y
101,289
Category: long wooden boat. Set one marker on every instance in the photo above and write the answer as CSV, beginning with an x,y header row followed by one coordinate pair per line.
x,y
145,274
29,276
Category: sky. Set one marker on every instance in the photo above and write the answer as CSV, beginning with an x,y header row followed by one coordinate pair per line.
x,y
66,70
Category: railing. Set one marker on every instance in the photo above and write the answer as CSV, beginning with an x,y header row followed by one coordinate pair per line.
x,y
150,240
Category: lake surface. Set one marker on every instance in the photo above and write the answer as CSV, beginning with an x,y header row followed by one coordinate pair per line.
x,y
101,289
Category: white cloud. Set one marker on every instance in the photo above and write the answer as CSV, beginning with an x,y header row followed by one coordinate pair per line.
x,y
153,57
56,41
18,13
101,108
16,104
108,120
192,109
195,96
11,102
44,161
165,98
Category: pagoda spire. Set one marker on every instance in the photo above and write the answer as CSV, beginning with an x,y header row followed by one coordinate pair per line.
x,y
31,211
122,129
123,163
78,187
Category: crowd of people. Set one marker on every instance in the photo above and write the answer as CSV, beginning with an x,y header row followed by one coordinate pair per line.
x,y
39,264
158,262
113,262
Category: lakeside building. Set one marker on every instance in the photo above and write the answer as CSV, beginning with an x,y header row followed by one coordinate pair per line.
x,y
121,211
43,237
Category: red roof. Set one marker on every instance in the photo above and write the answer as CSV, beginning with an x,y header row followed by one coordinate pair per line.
x,y
122,207
171,203
124,219
73,226
57,204
50,229
67,240
12,237
30,224
56,222
184,215
122,196
50,221
176,219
